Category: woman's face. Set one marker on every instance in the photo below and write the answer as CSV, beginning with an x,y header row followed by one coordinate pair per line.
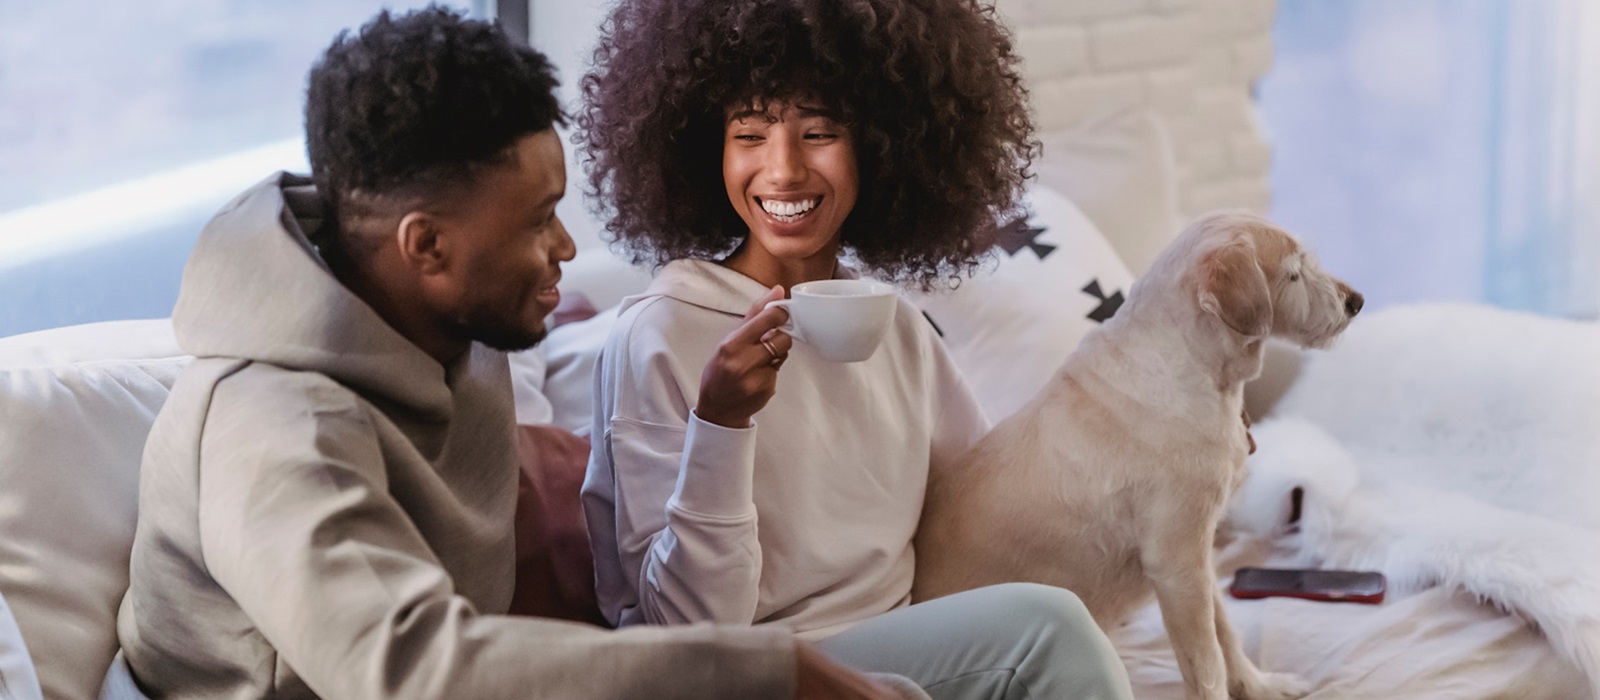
x,y
790,170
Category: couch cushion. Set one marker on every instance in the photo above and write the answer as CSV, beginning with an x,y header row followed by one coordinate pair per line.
x,y
75,406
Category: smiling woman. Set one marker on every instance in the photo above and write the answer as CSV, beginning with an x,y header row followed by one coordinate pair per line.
x,y
762,148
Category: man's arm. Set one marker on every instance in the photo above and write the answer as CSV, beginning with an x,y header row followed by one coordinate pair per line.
x,y
299,527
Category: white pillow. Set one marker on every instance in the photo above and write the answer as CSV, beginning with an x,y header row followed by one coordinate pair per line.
x,y
17,679
1010,327
527,386
570,353
74,414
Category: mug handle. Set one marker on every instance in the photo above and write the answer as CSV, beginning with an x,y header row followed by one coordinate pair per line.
x,y
788,326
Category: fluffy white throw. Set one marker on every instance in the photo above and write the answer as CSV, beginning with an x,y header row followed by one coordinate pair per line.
x,y
1448,445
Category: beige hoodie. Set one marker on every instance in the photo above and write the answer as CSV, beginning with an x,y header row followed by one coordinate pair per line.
x,y
804,519
326,511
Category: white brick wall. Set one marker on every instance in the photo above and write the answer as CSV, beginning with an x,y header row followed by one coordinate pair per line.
x,y
1192,62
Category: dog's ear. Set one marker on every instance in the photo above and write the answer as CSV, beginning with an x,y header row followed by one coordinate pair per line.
x,y
1234,288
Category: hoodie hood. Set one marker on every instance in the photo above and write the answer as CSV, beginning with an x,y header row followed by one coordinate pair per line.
x,y
256,289
710,285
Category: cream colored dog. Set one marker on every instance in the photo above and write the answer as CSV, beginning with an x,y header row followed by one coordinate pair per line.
x,y
1111,482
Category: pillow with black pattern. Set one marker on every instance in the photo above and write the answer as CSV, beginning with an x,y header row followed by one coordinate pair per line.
x,y
1054,278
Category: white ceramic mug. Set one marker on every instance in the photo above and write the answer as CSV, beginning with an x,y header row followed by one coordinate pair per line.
x,y
843,320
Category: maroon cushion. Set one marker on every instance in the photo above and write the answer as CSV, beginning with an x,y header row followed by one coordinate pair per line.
x,y
555,570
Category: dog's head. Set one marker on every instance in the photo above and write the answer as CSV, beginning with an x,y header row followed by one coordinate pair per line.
x,y
1259,281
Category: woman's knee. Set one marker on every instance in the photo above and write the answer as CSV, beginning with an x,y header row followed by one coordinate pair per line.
x,y
1041,602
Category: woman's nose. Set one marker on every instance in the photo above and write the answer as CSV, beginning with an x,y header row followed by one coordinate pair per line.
x,y
784,163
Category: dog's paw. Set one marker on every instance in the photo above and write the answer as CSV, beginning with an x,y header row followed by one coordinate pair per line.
x,y
1275,686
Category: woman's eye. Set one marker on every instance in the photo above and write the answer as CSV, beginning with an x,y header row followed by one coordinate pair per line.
x,y
821,136
748,138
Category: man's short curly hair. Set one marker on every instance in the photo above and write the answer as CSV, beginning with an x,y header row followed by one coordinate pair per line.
x,y
929,88
420,102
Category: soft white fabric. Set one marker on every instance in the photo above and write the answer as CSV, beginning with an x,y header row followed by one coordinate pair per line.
x,y
75,406
835,466
527,386
17,678
1119,169
1452,446
1432,645
570,354
1011,326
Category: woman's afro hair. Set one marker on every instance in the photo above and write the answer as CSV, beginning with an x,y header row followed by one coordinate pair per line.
x,y
930,90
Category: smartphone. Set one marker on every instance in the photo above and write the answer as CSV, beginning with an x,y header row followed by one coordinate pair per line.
x,y
1310,584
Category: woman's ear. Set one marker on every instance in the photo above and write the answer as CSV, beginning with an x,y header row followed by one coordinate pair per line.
x,y
1234,289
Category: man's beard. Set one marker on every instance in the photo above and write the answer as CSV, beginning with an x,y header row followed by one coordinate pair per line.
x,y
496,333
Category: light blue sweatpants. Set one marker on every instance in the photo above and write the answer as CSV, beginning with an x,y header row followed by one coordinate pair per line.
x,y
1015,641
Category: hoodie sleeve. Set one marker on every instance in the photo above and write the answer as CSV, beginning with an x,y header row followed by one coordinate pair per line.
x,y
298,526
668,497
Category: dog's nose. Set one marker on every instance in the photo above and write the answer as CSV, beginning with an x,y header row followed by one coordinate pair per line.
x,y
1352,303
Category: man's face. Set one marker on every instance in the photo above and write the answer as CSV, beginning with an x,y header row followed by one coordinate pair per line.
x,y
507,247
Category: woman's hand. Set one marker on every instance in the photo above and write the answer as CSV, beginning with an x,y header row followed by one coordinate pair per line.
x,y
743,374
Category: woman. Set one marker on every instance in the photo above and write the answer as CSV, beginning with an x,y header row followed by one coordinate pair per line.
x,y
737,477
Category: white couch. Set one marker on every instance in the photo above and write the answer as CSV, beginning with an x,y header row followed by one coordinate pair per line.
x,y
76,405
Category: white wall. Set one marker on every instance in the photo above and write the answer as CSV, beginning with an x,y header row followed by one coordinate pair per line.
x,y
1192,62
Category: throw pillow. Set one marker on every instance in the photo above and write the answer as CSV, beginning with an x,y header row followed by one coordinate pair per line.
x,y
1010,327
555,570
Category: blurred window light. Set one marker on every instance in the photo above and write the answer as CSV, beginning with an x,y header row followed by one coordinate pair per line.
x,y
127,122
1443,149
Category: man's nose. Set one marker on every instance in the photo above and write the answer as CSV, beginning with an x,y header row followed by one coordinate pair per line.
x,y
565,249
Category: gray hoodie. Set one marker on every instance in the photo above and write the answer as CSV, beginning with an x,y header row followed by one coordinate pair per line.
x,y
325,510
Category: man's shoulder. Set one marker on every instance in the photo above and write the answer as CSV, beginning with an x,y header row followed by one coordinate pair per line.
x,y
260,392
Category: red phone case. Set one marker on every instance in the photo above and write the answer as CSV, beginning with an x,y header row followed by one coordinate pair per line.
x,y
1309,584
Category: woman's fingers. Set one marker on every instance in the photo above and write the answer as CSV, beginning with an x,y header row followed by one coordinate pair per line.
x,y
760,320
772,295
777,342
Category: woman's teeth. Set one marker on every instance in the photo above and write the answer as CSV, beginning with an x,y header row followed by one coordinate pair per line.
x,y
789,212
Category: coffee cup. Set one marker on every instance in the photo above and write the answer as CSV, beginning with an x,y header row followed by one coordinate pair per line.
x,y
843,320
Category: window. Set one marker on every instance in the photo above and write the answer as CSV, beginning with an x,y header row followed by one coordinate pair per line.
x,y
124,125
1443,150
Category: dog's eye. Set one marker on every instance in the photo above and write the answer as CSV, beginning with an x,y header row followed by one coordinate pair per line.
x,y
1294,277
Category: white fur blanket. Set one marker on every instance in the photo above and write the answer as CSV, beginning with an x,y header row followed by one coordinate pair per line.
x,y
1453,446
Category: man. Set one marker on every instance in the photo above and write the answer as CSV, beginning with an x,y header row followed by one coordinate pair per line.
x,y
326,498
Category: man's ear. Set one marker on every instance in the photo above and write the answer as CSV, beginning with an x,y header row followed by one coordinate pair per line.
x,y
421,243
1234,288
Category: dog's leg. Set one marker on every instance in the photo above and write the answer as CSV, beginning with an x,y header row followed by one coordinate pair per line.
x,y
1178,565
1245,681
